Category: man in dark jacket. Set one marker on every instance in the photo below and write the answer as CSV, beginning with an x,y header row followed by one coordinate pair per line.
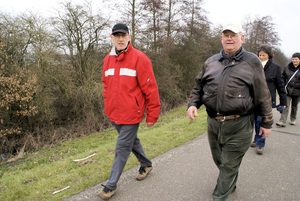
x,y
232,86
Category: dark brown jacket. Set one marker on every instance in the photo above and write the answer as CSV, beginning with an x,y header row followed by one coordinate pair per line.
x,y
237,88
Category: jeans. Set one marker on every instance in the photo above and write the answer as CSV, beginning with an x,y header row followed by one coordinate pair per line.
x,y
260,142
127,142
295,100
229,140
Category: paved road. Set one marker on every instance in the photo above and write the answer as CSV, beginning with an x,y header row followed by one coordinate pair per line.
x,y
189,173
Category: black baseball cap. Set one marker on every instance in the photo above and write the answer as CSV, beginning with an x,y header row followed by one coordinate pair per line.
x,y
120,27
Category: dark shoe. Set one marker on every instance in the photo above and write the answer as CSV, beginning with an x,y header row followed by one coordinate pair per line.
x,y
143,172
106,193
253,144
293,123
281,124
260,150
233,190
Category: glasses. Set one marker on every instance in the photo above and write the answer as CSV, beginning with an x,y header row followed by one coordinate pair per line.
x,y
232,36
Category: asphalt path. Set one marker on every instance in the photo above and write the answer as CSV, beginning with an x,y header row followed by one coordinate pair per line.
x,y
189,173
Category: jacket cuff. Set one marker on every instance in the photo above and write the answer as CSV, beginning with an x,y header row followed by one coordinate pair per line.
x,y
192,104
151,120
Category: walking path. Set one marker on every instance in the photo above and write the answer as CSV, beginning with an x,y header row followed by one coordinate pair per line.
x,y
189,173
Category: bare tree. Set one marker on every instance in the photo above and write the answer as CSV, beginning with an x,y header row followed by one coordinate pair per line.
x,y
171,17
155,11
259,31
193,18
78,31
18,32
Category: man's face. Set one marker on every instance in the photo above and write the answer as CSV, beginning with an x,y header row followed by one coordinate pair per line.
x,y
120,40
296,61
231,41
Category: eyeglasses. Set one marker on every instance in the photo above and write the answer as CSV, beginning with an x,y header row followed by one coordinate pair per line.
x,y
232,36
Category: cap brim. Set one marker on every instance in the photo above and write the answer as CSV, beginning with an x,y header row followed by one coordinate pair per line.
x,y
119,31
233,30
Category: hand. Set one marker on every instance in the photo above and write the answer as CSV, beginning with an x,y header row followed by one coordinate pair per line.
x,y
149,124
280,108
192,113
265,131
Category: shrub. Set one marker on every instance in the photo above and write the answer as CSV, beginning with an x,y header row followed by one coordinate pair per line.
x,y
16,95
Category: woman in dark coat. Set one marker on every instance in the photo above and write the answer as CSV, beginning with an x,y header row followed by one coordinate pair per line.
x,y
291,77
275,82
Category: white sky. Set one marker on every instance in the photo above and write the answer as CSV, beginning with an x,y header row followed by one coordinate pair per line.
x,y
285,14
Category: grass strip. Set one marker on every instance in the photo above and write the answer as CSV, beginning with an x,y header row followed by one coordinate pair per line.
x,y
37,175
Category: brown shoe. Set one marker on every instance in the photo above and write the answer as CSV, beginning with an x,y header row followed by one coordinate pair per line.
x,y
143,172
281,124
293,123
260,150
106,193
253,144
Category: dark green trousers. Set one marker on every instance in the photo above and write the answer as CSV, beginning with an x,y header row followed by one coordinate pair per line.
x,y
229,140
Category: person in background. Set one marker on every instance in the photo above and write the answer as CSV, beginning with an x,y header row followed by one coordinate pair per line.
x,y
232,86
275,82
291,78
129,87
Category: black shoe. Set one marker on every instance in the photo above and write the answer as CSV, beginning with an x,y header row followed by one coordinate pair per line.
x,y
233,190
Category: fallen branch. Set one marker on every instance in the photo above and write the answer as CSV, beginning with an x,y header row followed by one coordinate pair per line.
x,y
61,190
77,160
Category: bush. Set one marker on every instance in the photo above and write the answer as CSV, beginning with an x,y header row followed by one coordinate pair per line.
x,y
16,94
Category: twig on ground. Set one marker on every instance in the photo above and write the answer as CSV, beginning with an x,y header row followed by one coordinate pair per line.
x,y
61,190
77,160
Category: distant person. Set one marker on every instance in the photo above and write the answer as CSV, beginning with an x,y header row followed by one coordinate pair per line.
x,y
232,86
291,78
275,82
129,87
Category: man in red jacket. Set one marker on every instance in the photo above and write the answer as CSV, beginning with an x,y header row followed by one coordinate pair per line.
x,y
129,87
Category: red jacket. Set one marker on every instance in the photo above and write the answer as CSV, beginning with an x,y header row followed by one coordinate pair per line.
x,y
129,85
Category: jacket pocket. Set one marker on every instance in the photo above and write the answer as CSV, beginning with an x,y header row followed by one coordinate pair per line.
x,y
237,100
139,102
209,99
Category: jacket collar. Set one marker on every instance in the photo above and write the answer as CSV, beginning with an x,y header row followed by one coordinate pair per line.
x,y
268,64
236,56
292,67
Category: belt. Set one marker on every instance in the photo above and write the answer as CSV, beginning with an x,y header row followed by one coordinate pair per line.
x,y
223,118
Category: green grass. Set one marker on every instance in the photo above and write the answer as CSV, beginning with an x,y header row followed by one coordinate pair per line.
x,y
37,175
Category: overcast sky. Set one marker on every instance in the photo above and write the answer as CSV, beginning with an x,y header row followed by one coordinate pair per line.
x,y
285,14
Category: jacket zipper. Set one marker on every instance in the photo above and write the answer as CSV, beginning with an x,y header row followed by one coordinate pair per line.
x,y
222,85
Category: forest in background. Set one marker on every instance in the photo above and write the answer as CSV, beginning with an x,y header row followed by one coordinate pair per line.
x,y
51,68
